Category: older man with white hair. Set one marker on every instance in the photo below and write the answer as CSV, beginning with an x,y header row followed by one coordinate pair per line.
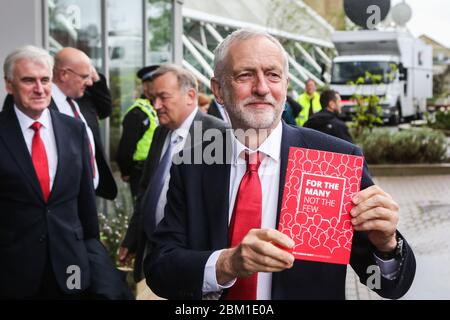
x,y
219,236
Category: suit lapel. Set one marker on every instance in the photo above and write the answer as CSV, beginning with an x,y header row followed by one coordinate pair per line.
x,y
13,138
196,136
216,189
53,105
61,150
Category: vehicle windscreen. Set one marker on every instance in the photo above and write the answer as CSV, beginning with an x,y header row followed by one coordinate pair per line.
x,y
344,72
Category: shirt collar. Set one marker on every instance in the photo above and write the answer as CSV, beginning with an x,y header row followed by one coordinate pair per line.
x,y
270,147
59,96
26,122
183,130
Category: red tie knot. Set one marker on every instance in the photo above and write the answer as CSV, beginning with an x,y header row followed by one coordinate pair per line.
x,y
253,161
36,126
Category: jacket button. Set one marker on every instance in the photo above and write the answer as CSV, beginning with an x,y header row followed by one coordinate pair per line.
x,y
42,238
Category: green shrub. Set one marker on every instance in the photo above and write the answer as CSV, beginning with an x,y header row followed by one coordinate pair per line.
x,y
420,145
113,225
441,120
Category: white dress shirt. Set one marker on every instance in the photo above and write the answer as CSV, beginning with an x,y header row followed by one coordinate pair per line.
x,y
178,137
47,136
64,107
269,174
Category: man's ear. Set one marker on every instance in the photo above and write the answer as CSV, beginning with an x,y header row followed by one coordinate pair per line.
x,y
192,95
8,86
217,90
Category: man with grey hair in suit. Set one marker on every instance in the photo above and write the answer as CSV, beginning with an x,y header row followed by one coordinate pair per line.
x,y
175,98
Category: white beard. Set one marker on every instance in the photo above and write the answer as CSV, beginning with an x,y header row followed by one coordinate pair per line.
x,y
247,117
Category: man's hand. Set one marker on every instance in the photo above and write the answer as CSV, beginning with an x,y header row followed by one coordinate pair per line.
x,y
94,75
259,251
126,178
125,256
377,213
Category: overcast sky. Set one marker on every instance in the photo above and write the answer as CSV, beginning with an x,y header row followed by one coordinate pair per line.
x,y
430,17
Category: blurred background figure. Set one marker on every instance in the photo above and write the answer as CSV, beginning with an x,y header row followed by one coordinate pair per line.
x,y
138,126
291,111
309,101
327,120
203,102
73,74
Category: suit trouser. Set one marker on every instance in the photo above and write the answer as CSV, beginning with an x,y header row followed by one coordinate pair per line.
x,y
135,179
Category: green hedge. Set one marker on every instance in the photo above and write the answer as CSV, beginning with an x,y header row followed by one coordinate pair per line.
x,y
419,145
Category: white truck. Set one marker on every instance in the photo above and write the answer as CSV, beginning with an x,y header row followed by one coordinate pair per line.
x,y
403,95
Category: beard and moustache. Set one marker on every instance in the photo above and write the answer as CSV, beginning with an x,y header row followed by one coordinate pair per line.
x,y
245,117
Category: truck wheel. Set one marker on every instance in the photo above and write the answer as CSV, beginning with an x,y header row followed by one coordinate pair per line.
x,y
396,118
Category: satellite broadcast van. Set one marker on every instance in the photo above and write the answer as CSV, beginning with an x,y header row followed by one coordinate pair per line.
x,y
403,96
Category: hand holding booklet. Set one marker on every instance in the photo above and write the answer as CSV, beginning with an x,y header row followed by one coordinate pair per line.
x,y
316,205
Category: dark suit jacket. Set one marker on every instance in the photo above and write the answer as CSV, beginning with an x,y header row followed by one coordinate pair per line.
x,y
107,187
196,224
8,103
97,104
213,110
135,238
32,230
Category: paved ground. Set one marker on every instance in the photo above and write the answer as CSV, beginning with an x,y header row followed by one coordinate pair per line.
x,y
425,222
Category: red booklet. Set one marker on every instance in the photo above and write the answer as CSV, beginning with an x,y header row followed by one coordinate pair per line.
x,y
317,200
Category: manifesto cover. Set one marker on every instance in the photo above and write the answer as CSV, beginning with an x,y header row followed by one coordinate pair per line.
x,y
317,200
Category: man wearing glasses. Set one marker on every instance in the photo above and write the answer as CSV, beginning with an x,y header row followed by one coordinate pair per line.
x,y
72,74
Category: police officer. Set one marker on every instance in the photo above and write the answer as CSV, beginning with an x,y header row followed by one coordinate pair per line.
x,y
309,101
327,120
139,124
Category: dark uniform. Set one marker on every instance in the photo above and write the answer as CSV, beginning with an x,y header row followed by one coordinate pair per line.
x,y
135,125
329,123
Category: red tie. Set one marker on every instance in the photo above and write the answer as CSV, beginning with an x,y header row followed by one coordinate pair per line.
x,y
40,161
74,109
77,116
246,216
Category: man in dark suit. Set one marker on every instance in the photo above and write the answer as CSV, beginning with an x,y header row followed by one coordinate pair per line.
x,y
47,201
73,75
174,96
95,105
191,255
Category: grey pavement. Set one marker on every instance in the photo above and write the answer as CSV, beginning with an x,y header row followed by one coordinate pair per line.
x,y
425,222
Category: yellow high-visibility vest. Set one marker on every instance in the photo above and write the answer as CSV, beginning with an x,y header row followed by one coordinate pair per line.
x,y
143,145
305,102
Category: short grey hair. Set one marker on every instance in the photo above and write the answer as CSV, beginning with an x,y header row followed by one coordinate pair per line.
x,y
186,80
32,53
221,52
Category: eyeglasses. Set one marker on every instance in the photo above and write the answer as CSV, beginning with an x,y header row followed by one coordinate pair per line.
x,y
84,77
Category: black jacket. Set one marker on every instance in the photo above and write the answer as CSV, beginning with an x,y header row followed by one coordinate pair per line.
x,y
34,232
329,123
94,105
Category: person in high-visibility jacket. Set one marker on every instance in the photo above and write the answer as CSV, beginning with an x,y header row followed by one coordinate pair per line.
x,y
139,124
309,101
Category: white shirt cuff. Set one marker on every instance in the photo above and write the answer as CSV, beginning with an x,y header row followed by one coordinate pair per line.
x,y
210,284
389,268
